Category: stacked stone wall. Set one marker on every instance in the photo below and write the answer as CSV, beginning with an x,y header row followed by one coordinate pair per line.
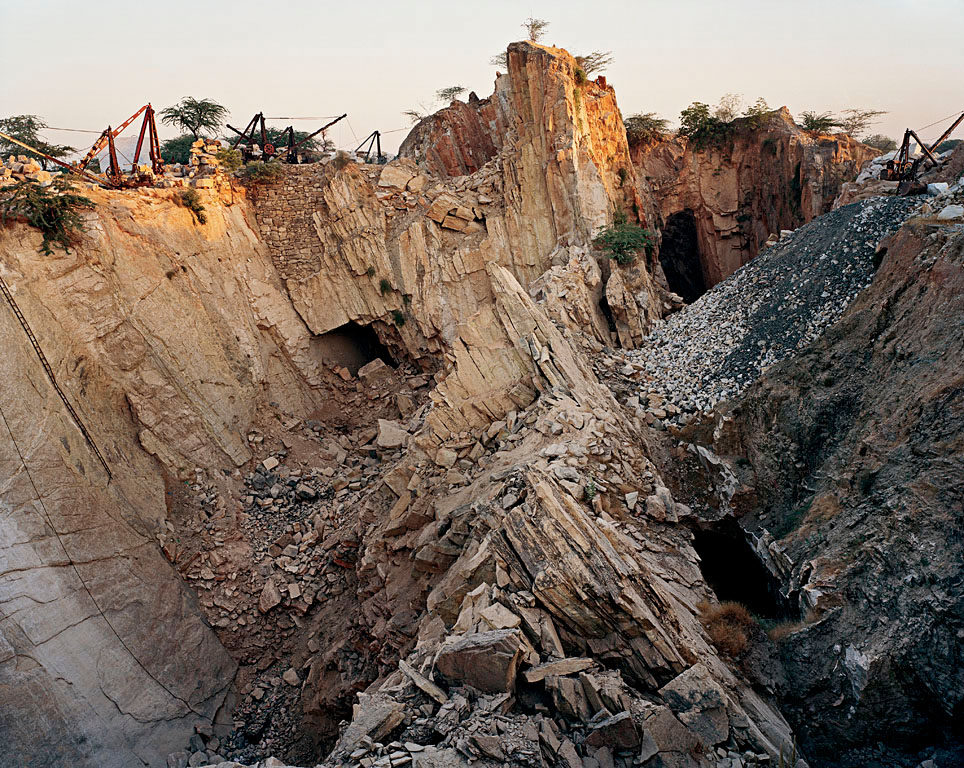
x,y
285,207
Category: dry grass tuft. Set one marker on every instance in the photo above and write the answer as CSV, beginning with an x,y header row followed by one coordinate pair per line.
x,y
781,631
729,626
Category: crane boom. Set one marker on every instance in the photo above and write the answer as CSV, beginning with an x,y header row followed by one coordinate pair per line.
x,y
102,141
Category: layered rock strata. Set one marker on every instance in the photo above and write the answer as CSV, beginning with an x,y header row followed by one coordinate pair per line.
x,y
514,514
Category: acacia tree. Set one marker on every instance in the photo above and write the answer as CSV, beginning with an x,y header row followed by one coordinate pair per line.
x,y
450,94
597,61
535,28
26,128
195,116
856,121
500,60
728,108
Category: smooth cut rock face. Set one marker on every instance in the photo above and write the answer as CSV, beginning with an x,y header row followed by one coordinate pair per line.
x,y
104,659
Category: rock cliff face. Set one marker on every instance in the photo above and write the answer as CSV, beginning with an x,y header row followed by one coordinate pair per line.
x,y
170,337
848,459
719,204
145,337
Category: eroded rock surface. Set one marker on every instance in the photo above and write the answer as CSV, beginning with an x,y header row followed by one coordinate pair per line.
x,y
847,459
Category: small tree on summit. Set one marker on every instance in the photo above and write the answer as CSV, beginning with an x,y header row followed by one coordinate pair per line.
x,y
856,121
26,128
597,61
195,116
822,123
728,108
535,28
450,94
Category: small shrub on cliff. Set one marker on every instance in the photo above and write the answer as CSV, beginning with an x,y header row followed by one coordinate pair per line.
x,y
53,210
822,123
258,170
398,318
702,128
450,94
758,113
229,159
190,199
622,241
384,286
500,60
595,62
729,625
644,127
590,490
580,76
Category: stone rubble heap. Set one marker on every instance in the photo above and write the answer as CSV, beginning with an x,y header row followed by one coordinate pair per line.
x,y
289,548
18,168
202,170
529,651
778,303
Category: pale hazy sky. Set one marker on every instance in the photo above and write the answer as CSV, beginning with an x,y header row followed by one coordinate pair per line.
x,y
87,63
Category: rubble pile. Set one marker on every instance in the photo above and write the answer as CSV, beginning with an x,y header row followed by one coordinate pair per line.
x,y
713,349
23,168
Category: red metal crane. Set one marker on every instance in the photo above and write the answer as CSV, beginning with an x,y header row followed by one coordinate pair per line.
x,y
148,128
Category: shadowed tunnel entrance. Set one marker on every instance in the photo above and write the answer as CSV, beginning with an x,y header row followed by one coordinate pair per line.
x,y
734,572
351,345
679,255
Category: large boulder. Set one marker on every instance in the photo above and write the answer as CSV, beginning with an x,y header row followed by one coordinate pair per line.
x,y
699,703
486,660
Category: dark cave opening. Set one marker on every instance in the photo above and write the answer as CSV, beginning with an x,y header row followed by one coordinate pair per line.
x,y
734,571
607,313
679,255
351,345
